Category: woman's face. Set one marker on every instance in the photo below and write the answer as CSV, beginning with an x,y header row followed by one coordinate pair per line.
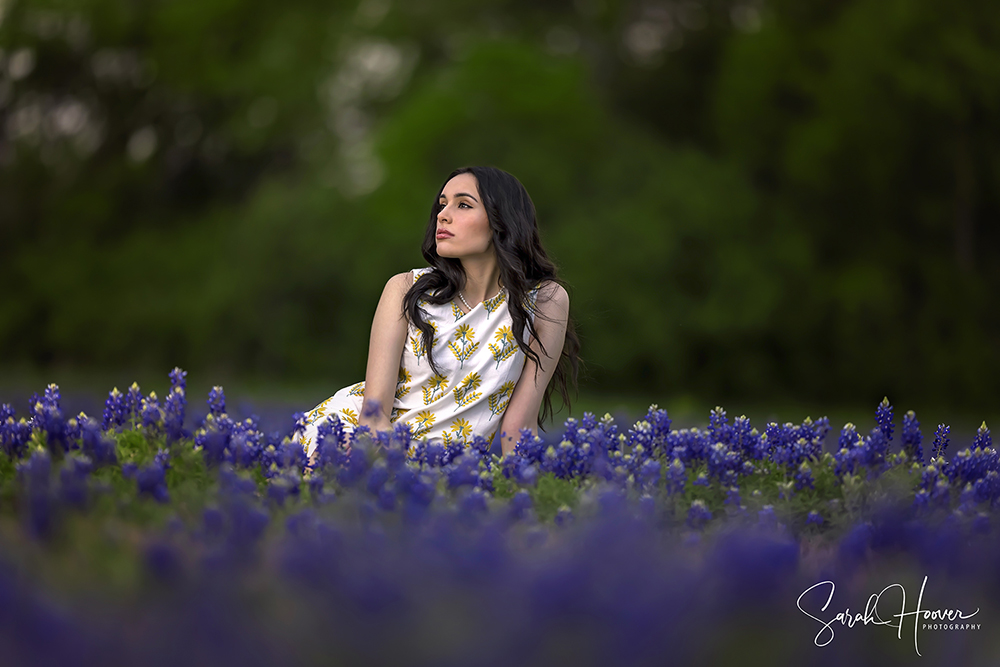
x,y
463,230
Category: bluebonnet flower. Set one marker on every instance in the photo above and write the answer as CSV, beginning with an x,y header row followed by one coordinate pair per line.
x,y
941,440
676,477
814,518
281,487
688,444
14,435
150,413
921,500
911,437
660,423
698,514
71,431
330,442
115,410
941,493
355,466
151,480
464,471
217,401
848,436
724,464
212,440
987,488
970,465
718,426
804,477
519,469
983,439
47,417
733,497
929,477
52,396
520,505
402,438
316,493
178,379
883,417
874,450
701,480
529,446
649,474
452,450
566,460
472,504
133,403
745,439
173,415
564,516
378,475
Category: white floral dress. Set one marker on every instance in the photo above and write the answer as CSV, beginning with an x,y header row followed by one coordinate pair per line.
x,y
480,364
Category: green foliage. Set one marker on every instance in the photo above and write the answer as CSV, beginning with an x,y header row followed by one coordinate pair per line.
x,y
752,208
550,494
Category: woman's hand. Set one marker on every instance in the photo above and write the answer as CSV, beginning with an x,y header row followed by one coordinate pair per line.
x,y
550,327
385,351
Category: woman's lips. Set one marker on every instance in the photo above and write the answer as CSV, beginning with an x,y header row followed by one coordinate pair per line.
x,y
444,235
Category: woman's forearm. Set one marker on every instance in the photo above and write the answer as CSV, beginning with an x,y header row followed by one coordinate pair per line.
x,y
375,416
510,433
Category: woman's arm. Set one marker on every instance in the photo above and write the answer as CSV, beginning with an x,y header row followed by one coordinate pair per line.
x,y
385,350
550,326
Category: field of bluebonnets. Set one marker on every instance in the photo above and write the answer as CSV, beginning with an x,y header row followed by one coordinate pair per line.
x,y
128,538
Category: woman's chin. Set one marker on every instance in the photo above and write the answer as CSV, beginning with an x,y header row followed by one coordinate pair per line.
x,y
446,252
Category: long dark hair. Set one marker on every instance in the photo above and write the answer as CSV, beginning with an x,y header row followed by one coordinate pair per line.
x,y
523,265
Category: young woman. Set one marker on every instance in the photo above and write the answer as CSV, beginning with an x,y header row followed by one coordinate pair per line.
x,y
471,344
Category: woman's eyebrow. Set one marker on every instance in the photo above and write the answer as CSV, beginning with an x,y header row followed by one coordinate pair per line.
x,y
459,194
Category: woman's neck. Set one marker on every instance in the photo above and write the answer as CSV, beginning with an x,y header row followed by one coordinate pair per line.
x,y
482,278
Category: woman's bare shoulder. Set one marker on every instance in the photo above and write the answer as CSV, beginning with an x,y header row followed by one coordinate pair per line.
x,y
552,291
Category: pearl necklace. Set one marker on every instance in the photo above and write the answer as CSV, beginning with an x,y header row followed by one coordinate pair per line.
x,y
467,303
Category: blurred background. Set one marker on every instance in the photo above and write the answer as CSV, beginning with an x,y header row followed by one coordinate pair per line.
x,y
782,207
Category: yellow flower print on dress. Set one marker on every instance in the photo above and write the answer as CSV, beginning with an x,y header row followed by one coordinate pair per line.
x,y
435,388
461,428
357,390
319,411
425,420
464,344
492,304
404,377
417,342
350,416
456,311
505,346
465,392
499,399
